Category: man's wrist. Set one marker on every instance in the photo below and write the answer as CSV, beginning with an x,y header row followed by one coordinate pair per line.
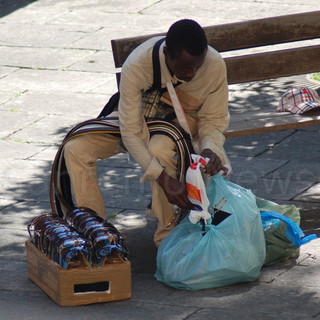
x,y
160,178
206,152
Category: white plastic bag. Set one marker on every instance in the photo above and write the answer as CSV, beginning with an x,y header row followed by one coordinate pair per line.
x,y
196,190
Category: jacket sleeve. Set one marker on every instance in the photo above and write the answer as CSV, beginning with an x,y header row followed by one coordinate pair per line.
x,y
134,131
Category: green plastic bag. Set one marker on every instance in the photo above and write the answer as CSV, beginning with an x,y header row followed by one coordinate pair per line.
x,y
278,246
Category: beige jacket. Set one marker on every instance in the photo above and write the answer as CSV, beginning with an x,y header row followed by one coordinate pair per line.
x,y
204,100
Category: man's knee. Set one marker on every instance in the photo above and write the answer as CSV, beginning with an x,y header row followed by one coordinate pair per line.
x,y
161,145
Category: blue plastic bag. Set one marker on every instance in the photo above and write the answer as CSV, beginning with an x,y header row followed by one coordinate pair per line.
x,y
293,233
282,234
229,249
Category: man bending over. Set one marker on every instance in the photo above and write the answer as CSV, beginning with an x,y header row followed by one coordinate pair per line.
x,y
198,73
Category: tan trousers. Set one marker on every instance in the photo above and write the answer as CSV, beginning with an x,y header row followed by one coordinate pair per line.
x,y
81,154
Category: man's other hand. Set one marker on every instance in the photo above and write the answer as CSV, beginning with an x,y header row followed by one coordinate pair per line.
x,y
214,164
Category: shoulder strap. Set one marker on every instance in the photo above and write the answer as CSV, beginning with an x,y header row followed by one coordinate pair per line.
x,y
178,109
156,65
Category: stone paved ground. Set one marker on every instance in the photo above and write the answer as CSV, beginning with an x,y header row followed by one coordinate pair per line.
x,y
56,70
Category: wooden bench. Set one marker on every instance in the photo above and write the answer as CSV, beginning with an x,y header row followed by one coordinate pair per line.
x,y
268,63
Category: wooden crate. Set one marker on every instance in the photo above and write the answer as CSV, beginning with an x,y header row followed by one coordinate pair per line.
x,y
79,285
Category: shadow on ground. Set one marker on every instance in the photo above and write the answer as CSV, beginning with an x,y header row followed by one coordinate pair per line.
x,y
9,6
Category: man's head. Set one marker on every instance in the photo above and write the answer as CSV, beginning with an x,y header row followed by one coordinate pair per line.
x,y
186,48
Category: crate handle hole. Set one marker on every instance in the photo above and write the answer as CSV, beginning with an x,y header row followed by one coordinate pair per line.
x,y
103,286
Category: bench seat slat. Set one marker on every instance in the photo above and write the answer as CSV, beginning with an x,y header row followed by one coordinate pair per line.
x,y
249,125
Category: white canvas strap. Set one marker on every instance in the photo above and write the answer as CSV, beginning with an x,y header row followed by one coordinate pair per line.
x,y
178,109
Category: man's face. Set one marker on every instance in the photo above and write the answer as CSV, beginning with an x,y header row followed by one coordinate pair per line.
x,y
184,66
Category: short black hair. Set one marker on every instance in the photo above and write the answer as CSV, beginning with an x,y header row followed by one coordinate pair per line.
x,y
186,35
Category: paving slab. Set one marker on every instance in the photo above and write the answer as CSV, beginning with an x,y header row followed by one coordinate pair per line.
x,y
297,169
312,194
272,188
25,190
139,230
81,105
4,97
16,282
15,218
101,39
56,80
96,5
121,310
27,150
253,168
30,35
109,87
118,198
95,63
49,12
37,188
234,12
12,242
4,71
230,314
31,15
296,145
13,122
116,175
312,129
46,58
307,270
117,21
47,153
6,202
49,129
120,160
19,213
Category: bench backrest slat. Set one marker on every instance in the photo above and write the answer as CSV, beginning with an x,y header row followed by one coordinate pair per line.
x,y
241,35
271,65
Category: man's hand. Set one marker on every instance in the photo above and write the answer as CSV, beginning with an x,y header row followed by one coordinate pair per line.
x,y
214,164
176,193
